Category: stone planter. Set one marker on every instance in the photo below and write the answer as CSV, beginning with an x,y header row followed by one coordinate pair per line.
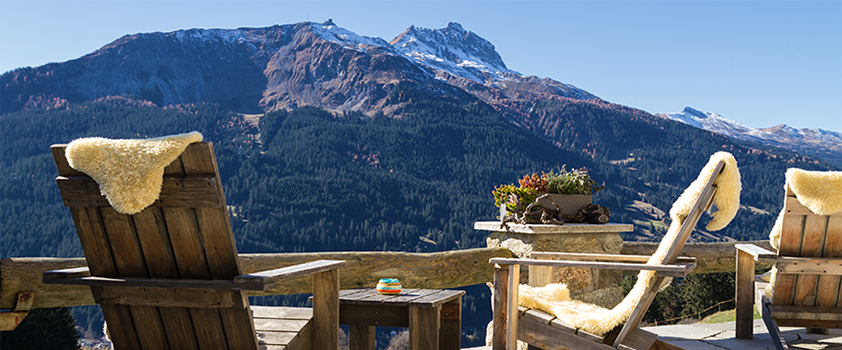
x,y
570,204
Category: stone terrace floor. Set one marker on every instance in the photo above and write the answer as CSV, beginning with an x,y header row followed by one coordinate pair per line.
x,y
719,336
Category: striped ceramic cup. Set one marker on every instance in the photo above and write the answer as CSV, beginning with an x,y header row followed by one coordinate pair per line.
x,y
389,286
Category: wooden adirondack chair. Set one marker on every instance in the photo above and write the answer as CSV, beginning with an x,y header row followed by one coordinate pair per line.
x,y
169,277
542,330
807,287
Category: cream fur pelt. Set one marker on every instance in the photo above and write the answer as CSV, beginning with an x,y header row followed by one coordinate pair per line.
x,y
129,172
819,191
555,298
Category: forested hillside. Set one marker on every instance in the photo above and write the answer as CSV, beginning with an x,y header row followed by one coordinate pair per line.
x,y
313,180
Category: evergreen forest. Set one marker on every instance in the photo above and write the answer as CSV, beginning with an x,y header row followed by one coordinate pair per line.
x,y
308,179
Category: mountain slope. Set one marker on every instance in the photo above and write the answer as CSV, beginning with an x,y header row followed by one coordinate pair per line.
x,y
822,143
254,70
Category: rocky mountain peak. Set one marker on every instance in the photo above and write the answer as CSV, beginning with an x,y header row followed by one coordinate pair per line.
x,y
453,50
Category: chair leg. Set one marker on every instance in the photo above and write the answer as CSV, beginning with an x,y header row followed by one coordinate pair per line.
x,y
326,310
774,331
744,297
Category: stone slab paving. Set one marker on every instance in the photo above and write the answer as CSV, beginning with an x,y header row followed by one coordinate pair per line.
x,y
720,336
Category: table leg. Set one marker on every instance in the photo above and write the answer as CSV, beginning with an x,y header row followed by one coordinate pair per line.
x,y
360,337
424,325
450,337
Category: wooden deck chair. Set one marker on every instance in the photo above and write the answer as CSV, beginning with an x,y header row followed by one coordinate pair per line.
x,y
168,277
806,287
543,330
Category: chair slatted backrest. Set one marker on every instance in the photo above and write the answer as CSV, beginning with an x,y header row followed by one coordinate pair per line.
x,y
186,234
702,204
805,234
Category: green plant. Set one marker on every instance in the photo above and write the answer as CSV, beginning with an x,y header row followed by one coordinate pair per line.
x,y
517,199
576,181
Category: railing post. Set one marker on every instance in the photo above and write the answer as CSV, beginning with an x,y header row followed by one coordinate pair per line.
x,y
498,307
744,297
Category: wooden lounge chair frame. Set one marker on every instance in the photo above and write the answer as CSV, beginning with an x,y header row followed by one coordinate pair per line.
x,y
169,276
807,286
542,330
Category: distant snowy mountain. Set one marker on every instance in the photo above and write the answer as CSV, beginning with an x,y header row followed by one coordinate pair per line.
x,y
823,143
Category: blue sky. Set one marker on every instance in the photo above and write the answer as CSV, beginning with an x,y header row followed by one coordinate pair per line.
x,y
761,63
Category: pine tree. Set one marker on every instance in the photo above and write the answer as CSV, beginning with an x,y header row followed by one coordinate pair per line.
x,y
43,329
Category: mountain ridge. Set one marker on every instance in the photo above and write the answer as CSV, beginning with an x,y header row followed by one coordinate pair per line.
x,y
819,142
254,70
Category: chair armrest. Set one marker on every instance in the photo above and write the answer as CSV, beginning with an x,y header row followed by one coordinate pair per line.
x,y
759,254
672,270
257,281
604,257
266,278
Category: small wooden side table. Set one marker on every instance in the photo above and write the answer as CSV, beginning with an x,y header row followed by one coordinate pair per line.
x,y
434,316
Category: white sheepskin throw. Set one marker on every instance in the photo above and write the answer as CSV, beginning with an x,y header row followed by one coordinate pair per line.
x,y
129,172
555,298
819,191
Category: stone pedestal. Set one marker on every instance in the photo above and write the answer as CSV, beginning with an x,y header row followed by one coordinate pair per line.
x,y
595,286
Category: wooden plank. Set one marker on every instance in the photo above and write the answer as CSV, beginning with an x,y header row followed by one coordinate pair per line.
x,y
806,312
512,307
98,255
165,297
437,299
62,165
452,268
601,257
152,282
744,294
326,309
376,315
290,313
794,207
499,308
710,257
790,245
772,327
264,278
639,340
450,335
758,253
279,324
830,286
160,263
212,252
804,266
129,261
424,325
534,330
364,294
811,246
675,270
540,276
361,337
176,191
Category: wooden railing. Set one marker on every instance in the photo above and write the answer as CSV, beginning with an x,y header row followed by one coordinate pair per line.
x,y
415,270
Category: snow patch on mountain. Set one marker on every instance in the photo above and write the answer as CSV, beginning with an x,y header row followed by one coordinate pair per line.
x,y
329,31
453,50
